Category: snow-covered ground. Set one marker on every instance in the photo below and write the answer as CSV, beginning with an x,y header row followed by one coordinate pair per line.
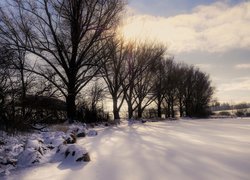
x,y
182,149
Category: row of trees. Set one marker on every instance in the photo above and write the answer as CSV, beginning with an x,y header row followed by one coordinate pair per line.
x,y
142,75
64,44
216,106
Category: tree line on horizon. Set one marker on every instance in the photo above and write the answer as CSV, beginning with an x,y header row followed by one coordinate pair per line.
x,y
141,75
54,49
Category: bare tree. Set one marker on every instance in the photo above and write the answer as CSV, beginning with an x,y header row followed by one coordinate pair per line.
x,y
96,95
22,78
138,83
148,59
90,103
159,90
194,91
202,94
63,35
114,74
180,84
170,88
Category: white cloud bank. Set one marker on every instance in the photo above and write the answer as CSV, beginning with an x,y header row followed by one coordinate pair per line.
x,y
217,27
242,66
238,84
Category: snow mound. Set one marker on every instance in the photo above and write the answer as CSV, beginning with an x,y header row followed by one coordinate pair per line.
x,y
33,153
53,139
29,157
43,147
10,148
76,129
60,152
92,133
76,153
35,144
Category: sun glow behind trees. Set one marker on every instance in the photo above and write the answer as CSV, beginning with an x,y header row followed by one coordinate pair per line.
x,y
77,42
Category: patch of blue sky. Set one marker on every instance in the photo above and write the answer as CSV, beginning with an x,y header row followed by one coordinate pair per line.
x,y
170,7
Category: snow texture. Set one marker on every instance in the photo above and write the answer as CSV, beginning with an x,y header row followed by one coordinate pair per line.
x,y
182,149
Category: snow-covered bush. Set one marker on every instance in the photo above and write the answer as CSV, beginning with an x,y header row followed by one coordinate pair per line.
x,y
33,153
78,130
77,153
70,138
92,133
35,144
53,139
29,157
43,147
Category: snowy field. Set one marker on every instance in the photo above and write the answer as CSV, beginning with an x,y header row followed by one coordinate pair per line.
x,y
183,149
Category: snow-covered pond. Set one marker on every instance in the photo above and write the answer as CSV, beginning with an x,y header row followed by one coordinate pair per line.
x,y
183,149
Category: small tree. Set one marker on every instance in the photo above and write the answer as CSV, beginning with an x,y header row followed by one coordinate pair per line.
x,y
96,95
90,108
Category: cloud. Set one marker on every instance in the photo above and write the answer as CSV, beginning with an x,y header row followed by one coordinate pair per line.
x,y
238,84
218,27
242,66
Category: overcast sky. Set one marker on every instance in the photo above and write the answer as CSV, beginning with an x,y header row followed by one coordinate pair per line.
x,y
214,35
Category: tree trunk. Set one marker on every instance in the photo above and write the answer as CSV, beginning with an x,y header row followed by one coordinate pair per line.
x,y
71,107
139,111
130,111
180,107
115,109
159,108
23,96
188,108
172,108
168,109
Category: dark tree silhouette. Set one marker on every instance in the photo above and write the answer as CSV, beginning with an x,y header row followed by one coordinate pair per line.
x,y
6,57
114,74
149,56
139,82
184,87
63,35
